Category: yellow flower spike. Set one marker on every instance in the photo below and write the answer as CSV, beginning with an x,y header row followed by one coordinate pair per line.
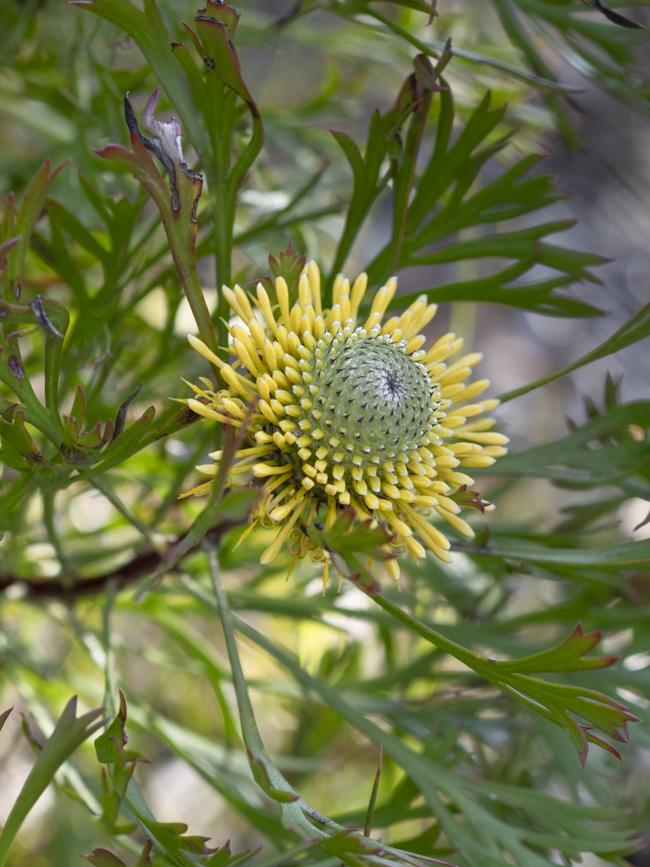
x,y
347,415
346,311
238,300
262,470
380,302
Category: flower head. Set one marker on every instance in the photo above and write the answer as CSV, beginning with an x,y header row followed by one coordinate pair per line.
x,y
341,410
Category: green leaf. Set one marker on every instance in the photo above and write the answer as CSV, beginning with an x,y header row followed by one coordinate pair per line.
x,y
263,777
69,733
18,446
346,535
129,442
606,558
555,702
170,838
474,822
602,451
26,218
565,656
383,142
109,746
352,154
53,319
637,328
218,51
435,208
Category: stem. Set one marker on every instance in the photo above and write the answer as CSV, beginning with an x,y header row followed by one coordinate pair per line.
x,y
601,351
182,243
434,48
404,180
196,300
297,814
68,575
295,811
223,209
367,827
35,412
250,732
356,216
462,654
121,507
109,660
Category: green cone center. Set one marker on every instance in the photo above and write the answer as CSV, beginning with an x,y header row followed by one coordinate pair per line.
x,y
371,395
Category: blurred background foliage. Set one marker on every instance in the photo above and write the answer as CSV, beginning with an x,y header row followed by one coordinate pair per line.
x,y
103,588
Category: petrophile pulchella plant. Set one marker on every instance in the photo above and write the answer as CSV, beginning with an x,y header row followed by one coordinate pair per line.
x,y
208,433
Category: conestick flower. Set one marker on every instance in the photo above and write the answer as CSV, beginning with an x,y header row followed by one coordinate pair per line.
x,y
342,411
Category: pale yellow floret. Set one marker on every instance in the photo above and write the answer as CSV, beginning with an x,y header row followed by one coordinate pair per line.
x,y
341,289
203,350
282,294
237,382
263,470
482,460
244,453
237,410
265,306
459,523
195,388
274,549
414,344
488,438
358,291
392,567
443,347
281,512
415,548
380,302
344,303
475,389
313,273
198,490
495,451
207,412
304,291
